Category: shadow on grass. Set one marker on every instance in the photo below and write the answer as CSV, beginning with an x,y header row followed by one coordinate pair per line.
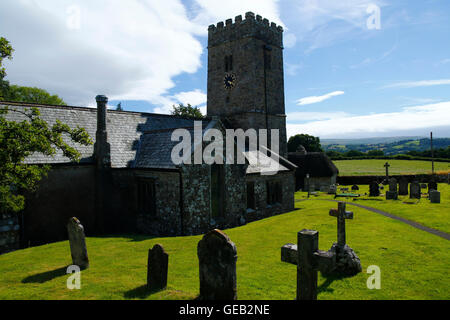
x,y
329,279
141,292
45,276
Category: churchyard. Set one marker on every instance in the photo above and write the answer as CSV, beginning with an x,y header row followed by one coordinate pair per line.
x,y
398,167
413,263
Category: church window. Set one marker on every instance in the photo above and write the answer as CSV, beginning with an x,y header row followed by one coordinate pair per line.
x,y
251,203
147,197
217,190
274,192
228,63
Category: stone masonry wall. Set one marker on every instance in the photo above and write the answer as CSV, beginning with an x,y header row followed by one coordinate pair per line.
x,y
9,232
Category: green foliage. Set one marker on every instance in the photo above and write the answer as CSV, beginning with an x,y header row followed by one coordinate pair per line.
x,y
32,95
375,153
18,140
311,143
6,51
187,111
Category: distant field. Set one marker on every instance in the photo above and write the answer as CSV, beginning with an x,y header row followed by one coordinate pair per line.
x,y
376,167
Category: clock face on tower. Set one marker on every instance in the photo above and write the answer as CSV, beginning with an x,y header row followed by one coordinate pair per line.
x,y
229,81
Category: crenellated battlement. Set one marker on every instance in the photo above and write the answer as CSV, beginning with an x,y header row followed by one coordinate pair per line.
x,y
251,26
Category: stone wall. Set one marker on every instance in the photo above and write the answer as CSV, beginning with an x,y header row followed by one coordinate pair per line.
x,y
9,232
263,210
422,178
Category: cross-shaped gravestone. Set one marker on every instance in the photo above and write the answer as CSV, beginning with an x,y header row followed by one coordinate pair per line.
x,y
309,259
387,165
341,215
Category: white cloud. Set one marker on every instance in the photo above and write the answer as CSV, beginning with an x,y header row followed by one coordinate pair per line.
x,y
316,99
409,118
127,50
415,84
195,98
310,116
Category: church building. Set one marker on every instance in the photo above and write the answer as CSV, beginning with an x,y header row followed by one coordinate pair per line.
x,y
127,183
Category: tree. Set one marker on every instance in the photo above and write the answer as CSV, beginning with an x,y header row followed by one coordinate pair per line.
x,y
375,153
187,111
311,143
32,95
18,140
6,51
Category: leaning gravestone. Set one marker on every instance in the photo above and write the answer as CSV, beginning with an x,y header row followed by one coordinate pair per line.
x,y
77,242
435,196
158,264
392,194
414,190
403,187
432,186
374,189
217,262
355,188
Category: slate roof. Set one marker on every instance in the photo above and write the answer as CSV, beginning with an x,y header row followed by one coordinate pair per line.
x,y
125,130
317,164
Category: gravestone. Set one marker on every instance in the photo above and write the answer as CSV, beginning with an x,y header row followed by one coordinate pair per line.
x,y
392,194
309,260
333,189
414,190
435,196
355,188
347,262
432,186
340,259
387,165
158,264
77,242
217,257
403,187
374,189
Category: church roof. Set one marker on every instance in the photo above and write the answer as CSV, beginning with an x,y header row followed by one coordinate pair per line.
x,y
317,164
126,131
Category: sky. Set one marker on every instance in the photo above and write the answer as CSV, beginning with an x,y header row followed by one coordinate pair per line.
x,y
353,69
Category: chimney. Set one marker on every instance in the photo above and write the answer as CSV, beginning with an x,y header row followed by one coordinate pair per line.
x,y
102,147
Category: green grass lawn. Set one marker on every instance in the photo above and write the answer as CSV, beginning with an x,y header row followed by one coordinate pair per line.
x,y
414,264
429,214
376,167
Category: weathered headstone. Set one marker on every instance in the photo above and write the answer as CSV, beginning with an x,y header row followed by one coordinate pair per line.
x,y
347,262
217,262
432,186
435,196
392,194
374,189
333,189
158,264
77,242
414,190
403,187
355,188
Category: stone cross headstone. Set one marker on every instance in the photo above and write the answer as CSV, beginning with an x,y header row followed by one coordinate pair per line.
x,y
158,264
77,242
414,190
392,194
435,196
374,189
217,257
387,165
432,186
341,216
403,187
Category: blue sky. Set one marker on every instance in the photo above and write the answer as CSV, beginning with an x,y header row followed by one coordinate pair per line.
x,y
343,78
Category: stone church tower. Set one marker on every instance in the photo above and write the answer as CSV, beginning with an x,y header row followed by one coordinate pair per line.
x,y
245,75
